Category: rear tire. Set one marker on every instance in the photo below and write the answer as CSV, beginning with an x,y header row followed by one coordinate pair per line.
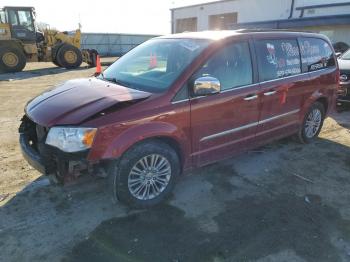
x,y
54,54
69,56
155,181
93,58
312,123
12,59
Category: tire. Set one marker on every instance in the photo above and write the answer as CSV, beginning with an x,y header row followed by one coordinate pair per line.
x,y
69,56
93,55
316,115
56,63
12,59
120,174
54,55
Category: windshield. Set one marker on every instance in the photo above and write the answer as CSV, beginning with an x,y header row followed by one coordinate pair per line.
x,y
154,65
346,55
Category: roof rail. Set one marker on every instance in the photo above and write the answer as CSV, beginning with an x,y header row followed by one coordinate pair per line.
x,y
243,30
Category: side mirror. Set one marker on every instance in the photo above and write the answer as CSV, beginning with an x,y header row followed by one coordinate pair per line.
x,y
206,85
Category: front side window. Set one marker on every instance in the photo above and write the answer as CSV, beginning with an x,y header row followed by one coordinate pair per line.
x,y
316,54
232,66
2,17
25,19
154,65
278,58
13,17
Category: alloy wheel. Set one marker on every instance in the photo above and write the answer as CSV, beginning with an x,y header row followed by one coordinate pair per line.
x,y
149,177
313,123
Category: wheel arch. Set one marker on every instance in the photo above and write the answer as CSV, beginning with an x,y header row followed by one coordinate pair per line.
x,y
324,101
317,96
162,132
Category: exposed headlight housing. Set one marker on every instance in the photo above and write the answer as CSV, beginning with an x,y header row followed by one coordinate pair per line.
x,y
71,139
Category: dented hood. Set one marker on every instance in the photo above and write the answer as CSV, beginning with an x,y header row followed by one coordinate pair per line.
x,y
76,100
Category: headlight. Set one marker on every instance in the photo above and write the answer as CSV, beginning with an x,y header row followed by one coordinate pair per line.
x,y
71,139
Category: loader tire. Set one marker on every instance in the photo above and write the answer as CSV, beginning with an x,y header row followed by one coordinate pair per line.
x,y
12,59
54,61
93,58
69,56
54,55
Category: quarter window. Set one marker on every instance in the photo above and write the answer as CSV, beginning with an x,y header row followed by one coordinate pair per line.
x,y
278,58
231,66
315,54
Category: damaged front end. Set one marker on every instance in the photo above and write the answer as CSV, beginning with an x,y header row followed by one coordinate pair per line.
x,y
61,167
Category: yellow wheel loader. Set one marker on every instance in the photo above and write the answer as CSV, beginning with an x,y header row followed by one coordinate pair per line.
x,y
21,42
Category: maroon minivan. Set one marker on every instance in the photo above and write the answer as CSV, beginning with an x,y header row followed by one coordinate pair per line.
x,y
179,102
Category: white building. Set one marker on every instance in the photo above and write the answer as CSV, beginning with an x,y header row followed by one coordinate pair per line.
x,y
330,17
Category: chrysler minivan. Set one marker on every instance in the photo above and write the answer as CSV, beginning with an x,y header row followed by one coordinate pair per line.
x,y
179,102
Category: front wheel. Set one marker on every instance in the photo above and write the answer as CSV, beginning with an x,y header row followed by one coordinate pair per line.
x,y
145,175
12,59
312,123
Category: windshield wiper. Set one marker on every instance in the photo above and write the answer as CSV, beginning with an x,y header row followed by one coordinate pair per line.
x,y
114,80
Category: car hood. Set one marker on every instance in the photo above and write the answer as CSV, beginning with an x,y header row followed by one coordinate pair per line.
x,y
344,64
76,100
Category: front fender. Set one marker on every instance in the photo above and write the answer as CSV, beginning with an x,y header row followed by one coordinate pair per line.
x,y
115,147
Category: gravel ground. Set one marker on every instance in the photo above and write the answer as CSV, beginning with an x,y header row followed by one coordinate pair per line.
x,y
281,202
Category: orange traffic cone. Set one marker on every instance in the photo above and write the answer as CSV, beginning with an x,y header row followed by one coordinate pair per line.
x,y
98,66
153,61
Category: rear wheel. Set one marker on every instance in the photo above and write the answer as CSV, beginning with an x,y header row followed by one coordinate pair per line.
x,y
54,55
12,59
312,124
69,56
145,175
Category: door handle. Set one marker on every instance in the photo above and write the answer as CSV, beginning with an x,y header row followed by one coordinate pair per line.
x,y
270,93
250,97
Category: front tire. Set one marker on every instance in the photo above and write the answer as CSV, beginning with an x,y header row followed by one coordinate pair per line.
x,y
312,123
12,59
145,175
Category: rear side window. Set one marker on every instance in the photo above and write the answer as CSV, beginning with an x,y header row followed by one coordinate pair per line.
x,y
315,54
278,58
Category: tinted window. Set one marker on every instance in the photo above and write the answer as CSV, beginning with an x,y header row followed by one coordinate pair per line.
x,y
278,58
13,17
316,54
231,66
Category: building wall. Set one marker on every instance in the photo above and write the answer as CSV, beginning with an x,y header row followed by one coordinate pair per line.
x,y
248,11
112,44
256,10
264,11
328,11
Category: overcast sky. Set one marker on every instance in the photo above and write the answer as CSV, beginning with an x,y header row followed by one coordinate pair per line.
x,y
112,16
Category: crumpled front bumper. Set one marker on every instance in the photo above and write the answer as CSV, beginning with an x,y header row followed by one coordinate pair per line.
x,y
32,156
49,160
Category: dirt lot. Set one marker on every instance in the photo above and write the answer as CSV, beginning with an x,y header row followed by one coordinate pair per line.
x,y
282,202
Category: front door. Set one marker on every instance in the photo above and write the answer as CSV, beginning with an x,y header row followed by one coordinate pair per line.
x,y
225,123
282,87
